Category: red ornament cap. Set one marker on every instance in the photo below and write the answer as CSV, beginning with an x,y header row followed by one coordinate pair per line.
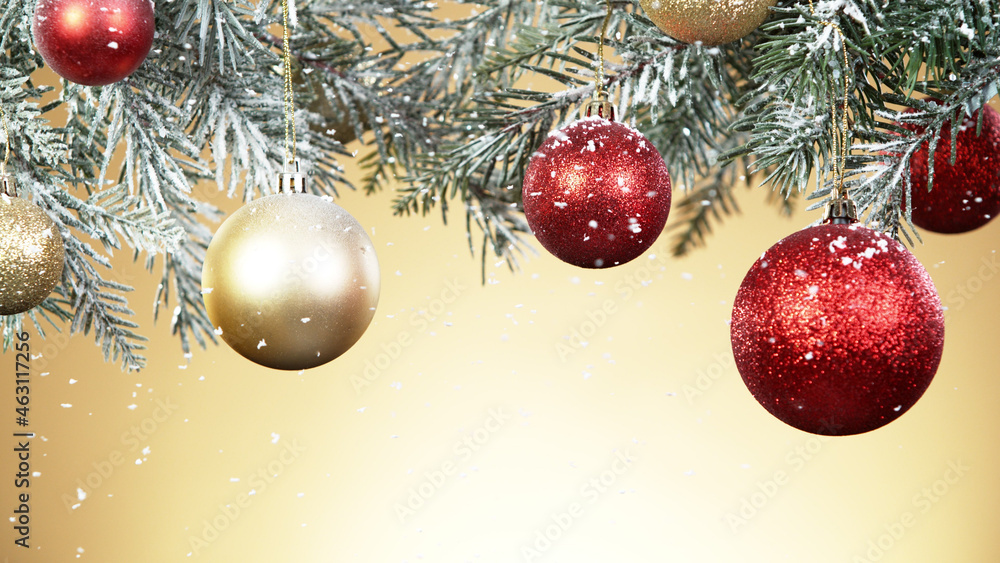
x,y
837,329
966,195
93,42
596,193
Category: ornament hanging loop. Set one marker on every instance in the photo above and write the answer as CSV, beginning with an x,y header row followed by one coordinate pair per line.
x,y
291,180
9,189
599,106
286,63
841,209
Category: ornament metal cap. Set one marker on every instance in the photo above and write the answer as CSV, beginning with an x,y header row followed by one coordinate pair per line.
x,y
292,182
841,210
599,107
9,189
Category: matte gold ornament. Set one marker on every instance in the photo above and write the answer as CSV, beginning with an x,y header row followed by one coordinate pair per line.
x,y
291,280
31,254
711,22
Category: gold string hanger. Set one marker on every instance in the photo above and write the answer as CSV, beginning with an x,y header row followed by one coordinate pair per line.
x,y
289,92
8,184
291,179
600,106
841,207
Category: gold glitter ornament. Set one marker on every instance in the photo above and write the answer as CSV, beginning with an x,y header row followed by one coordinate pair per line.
x,y
291,281
31,253
711,22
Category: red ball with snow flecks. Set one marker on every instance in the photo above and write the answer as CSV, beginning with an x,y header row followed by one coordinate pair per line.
x,y
93,42
837,330
596,193
965,195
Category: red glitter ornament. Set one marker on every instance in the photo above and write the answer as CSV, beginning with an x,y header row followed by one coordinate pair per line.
x,y
966,195
596,193
93,42
837,330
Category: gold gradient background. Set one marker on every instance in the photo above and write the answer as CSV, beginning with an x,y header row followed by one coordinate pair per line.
x,y
655,383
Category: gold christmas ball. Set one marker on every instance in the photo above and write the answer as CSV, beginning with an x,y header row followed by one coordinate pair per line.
x,y
31,255
712,22
291,281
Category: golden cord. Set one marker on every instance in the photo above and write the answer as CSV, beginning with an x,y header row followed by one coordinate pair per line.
x,y
289,92
840,145
599,93
6,137
6,188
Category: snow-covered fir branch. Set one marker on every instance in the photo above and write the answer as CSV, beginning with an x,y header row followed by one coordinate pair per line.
x,y
449,112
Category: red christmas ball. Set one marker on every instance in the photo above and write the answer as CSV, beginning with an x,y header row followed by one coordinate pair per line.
x,y
596,193
837,330
93,42
966,195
